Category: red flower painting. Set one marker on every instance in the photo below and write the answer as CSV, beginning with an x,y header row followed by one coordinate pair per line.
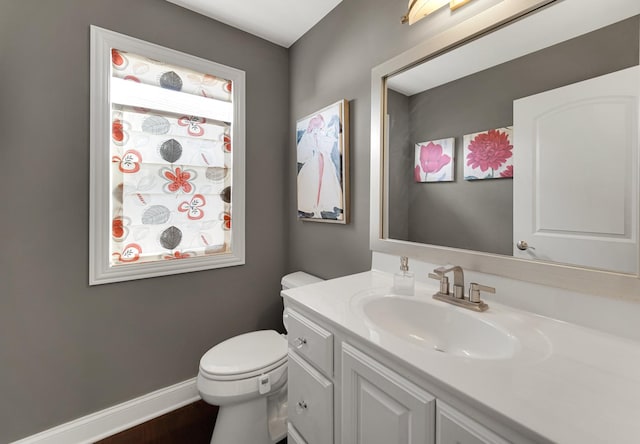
x,y
508,172
490,149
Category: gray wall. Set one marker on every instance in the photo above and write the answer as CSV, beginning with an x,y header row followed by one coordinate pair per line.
x,y
67,350
401,158
331,62
478,215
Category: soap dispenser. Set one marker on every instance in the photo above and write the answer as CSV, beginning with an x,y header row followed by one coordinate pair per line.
x,y
403,280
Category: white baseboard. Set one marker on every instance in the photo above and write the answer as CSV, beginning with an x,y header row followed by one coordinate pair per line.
x,y
100,425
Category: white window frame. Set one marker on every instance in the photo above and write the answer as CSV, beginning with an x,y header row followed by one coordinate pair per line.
x,y
100,269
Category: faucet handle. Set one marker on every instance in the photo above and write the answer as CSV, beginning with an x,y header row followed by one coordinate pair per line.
x,y
444,280
475,289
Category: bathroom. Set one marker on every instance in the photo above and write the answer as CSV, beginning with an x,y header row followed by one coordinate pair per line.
x,y
67,349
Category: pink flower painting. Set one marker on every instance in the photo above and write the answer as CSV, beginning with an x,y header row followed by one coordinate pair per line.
x,y
488,154
434,161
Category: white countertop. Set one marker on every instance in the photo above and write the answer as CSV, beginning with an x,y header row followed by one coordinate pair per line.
x,y
567,383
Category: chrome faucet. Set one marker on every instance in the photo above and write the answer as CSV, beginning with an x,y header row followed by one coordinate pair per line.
x,y
472,301
458,280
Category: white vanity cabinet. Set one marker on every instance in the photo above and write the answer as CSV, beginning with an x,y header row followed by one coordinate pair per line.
x,y
504,376
341,391
381,407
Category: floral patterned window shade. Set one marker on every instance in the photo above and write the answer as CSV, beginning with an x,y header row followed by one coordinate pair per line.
x,y
169,165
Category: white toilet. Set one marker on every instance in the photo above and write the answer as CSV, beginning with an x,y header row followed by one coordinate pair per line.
x,y
246,376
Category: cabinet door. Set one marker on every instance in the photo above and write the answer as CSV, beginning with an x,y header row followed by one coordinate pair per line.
x,y
310,402
455,428
379,406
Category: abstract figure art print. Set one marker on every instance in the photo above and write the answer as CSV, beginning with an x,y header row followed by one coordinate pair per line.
x,y
322,140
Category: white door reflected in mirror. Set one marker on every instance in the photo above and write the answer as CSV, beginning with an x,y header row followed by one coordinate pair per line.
x,y
573,217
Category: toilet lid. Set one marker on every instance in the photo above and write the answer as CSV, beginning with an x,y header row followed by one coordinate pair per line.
x,y
245,354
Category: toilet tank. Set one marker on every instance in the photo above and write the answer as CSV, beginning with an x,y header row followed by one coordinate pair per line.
x,y
292,280
298,279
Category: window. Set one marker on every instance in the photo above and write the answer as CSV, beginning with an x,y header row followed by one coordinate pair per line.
x,y
167,161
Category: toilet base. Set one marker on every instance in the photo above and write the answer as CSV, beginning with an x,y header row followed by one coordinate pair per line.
x,y
242,423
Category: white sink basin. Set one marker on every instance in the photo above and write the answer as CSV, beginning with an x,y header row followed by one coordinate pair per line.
x,y
443,328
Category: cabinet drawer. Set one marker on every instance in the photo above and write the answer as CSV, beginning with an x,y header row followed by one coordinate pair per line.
x,y
311,341
452,427
310,402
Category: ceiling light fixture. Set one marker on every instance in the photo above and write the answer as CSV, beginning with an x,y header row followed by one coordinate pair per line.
x,y
455,4
419,9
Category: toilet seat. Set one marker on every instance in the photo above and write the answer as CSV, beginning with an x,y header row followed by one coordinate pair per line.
x,y
245,356
243,376
221,392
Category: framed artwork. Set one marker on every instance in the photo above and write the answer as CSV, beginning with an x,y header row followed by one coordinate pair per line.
x,y
488,154
434,161
322,145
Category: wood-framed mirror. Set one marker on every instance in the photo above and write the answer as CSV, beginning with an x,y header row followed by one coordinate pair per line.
x,y
557,84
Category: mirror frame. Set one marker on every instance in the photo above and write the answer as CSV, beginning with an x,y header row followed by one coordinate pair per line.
x,y
583,280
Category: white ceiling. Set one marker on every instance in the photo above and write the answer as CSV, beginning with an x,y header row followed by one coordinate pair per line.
x,y
279,21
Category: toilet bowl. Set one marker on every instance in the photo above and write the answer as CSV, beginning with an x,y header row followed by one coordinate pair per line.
x,y
246,377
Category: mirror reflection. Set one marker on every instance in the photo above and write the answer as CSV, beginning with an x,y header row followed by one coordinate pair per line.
x,y
522,144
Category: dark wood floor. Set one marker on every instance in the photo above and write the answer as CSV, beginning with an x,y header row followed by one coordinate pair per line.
x,y
191,424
